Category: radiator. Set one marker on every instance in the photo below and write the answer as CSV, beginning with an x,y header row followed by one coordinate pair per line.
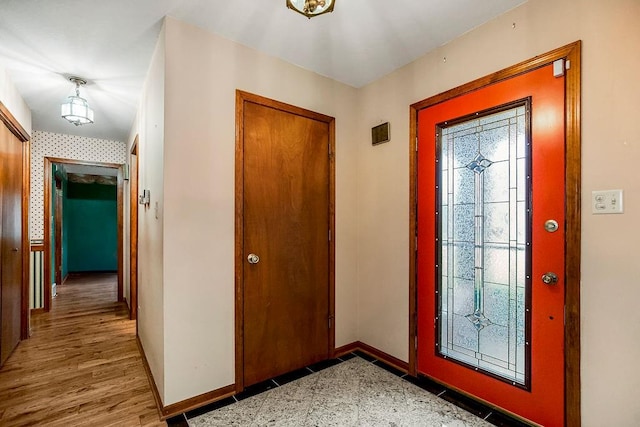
x,y
36,277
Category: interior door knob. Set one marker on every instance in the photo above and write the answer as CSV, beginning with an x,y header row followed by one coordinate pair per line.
x,y
253,259
550,278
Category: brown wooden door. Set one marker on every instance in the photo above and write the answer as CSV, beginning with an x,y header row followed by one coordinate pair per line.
x,y
11,241
287,302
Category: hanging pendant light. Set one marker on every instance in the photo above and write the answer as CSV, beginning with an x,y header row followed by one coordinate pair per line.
x,y
311,8
75,109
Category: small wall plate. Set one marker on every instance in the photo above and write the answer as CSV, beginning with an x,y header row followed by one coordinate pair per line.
x,y
607,202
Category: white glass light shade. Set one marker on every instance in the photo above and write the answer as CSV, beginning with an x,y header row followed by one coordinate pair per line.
x,y
311,8
77,111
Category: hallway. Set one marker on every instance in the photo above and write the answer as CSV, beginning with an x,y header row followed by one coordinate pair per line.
x,y
81,365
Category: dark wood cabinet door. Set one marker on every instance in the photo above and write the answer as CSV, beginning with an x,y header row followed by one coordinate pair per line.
x,y
10,241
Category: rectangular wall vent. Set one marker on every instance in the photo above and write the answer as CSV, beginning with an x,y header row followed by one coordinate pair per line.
x,y
380,134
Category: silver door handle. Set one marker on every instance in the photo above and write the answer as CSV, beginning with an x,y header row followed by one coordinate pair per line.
x,y
253,259
550,278
551,225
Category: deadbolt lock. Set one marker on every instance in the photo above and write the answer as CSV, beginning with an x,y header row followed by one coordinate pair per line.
x,y
550,278
253,259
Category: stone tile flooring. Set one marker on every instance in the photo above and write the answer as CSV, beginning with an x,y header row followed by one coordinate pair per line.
x,y
356,392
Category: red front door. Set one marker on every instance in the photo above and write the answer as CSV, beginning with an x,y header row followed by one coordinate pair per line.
x,y
491,197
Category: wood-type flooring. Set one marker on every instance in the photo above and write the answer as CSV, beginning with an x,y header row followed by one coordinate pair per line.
x,y
81,366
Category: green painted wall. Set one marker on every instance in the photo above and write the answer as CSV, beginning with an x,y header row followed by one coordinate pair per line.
x,y
91,227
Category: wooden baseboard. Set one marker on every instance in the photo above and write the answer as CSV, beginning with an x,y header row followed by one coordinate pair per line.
x,y
35,311
346,349
230,390
185,405
198,401
152,382
373,352
385,357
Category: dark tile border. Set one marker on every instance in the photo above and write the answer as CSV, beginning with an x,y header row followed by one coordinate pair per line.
x,y
210,407
470,405
427,384
365,356
252,390
317,367
503,420
177,421
292,376
389,368
467,403
462,401
262,387
347,356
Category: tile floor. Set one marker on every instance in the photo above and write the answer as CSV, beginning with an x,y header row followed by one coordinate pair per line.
x,y
355,390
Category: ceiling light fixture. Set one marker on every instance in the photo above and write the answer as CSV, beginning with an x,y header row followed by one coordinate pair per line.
x,y
75,109
311,8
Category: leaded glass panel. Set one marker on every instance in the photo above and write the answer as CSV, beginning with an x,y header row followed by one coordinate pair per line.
x,y
483,253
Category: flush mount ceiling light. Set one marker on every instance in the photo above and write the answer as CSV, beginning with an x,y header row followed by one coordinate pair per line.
x,y
311,8
75,109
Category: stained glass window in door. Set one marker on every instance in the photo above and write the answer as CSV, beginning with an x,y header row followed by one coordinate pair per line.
x,y
483,251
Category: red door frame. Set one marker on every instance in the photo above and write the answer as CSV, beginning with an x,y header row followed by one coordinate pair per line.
x,y
571,53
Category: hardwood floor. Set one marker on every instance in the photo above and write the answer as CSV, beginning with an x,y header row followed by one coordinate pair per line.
x,y
81,366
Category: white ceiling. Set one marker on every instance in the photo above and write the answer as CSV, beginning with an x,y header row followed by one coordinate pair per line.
x,y
110,42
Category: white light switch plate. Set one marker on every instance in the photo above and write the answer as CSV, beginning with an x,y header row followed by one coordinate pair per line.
x,y
606,202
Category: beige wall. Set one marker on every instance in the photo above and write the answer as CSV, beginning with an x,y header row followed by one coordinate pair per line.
x,y
190,254
202,74
611,153
10,97
150,125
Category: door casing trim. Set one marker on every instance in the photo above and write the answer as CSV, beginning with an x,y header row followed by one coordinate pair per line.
x,y
48,162
241,98
57,208
133,233
572,53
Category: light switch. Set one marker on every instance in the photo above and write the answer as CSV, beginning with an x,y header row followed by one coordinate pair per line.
x,y
606,202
